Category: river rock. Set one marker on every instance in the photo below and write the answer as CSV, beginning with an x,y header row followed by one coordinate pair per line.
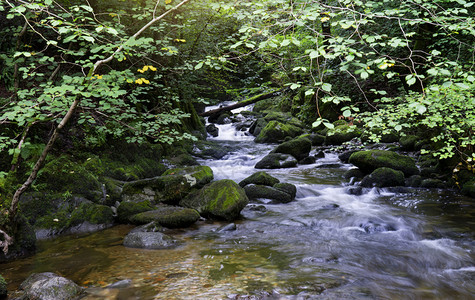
x,y
308,160
414,181
383,177
276,161
168,188
50,286
287,188
149,240
127,209
408,142
212,130
353,173
298,148
222,199
261,178
3,288
429,183
276,132
255,192
316,139
370,160
469,188
345,156
341,134
167,216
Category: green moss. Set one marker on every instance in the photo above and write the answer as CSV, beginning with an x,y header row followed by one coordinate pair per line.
x,y
276,131
342,133
384,177
202,174
3,287
92,213
128,209
298,148
370,160
261,178
167,216
223,199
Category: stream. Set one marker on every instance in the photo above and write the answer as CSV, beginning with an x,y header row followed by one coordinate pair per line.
x,y
327,244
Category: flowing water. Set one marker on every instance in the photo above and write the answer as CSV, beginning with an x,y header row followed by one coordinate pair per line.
x,y
327,244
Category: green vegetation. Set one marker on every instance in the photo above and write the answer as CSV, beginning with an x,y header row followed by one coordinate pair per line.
x,y
80,77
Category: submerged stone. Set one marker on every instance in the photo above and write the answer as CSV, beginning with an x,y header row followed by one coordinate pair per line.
x,y
149,240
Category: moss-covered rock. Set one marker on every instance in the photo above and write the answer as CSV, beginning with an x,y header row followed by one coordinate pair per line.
x,y
63,174
298,148
316,139
128,209
414,181
341,134
408,142
276,161
432,183
202,174
353,173
287,188
261,178
255,192
50,286
370,160
24,241
167,216
92,213
223,199
276,132
3,288
257,126
469,188
383,177
169,188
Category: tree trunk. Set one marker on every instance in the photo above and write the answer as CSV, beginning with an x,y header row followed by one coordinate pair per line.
x,y
242,103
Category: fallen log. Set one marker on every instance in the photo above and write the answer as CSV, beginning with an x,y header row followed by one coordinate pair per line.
x,y
243,103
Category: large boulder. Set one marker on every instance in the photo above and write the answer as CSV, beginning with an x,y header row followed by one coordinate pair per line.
x,y
287,188
276,132
383,177
261,178
167,216
169,188
223,199
50,286
408,142
298,148
370,160
149,240
276,161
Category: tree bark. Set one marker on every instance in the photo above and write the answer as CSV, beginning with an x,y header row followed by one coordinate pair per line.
x,y
243,103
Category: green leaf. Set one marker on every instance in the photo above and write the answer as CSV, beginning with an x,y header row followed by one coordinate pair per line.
x,y
199,66
327,87
347,113
294,86
398,127
285,43
329,125
313,54
317,123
